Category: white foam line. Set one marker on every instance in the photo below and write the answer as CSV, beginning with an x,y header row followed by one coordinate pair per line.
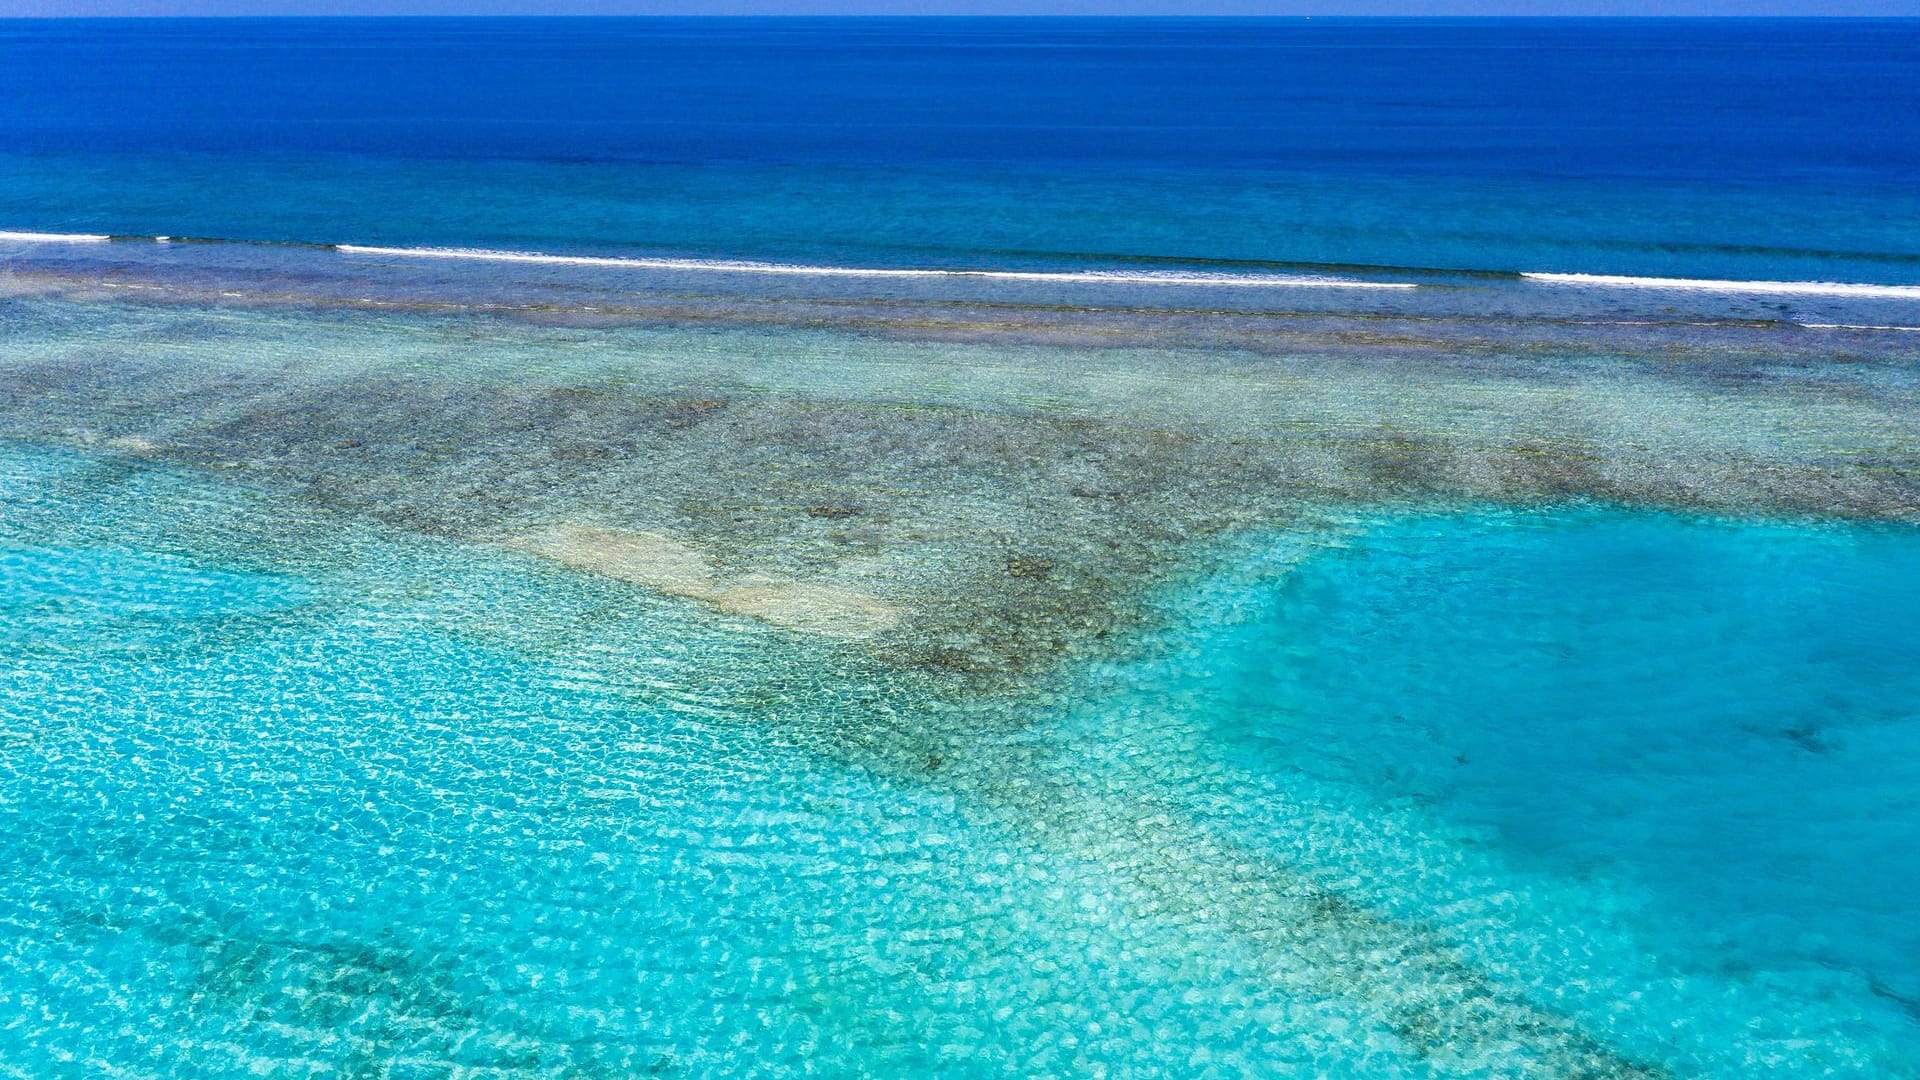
x,y
1788,288
52,238
1855,326
798,270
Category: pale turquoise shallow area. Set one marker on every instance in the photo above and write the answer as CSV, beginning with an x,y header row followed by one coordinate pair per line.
x,y
280,794
333,815
1663,765
1724,712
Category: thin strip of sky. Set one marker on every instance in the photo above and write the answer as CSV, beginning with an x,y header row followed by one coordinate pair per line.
x,y
56,8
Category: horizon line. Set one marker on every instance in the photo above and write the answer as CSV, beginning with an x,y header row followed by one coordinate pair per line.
x,y
1008,16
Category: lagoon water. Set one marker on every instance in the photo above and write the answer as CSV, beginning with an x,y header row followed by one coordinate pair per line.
x,y
872,548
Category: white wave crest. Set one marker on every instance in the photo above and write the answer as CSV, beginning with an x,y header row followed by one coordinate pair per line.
x,y
1758,288
1856,326
7,237
728,266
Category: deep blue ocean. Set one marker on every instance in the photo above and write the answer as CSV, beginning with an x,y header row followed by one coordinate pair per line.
x,y
1730,149
960,547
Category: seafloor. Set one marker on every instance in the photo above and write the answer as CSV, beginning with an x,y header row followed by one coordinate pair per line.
x,y
896,547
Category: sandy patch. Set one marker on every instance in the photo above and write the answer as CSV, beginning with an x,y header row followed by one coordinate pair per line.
x,y
643,558
816,609
668,566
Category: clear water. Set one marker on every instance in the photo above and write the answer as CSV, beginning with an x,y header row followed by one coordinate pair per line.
x,y
423,667
284,797
1695,731
1726,709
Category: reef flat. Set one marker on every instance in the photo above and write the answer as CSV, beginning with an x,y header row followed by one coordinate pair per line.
x,y
972,503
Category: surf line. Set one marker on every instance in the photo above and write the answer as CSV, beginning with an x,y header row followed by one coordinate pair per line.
x,y
1760,288
732,266
1857,326
7,237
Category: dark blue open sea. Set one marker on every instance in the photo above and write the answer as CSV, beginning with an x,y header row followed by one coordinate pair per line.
x,y
951,547
1743,149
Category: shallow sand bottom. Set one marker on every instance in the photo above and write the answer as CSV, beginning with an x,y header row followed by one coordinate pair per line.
x,y
674,568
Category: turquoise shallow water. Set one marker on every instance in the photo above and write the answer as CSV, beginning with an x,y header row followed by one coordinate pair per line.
x,y
321,811
1692,737
1723,712
279,795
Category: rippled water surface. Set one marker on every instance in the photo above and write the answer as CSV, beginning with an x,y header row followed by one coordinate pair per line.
x,y
1582,792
